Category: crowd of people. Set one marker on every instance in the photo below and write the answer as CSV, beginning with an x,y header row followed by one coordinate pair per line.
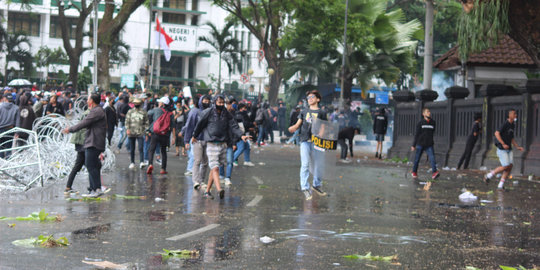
x,y
213,132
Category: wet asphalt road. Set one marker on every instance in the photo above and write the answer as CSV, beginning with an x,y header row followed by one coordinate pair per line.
x,y
371,207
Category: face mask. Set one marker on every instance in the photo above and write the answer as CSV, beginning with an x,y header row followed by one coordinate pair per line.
x,y
138,106
205,105
220,107
191,106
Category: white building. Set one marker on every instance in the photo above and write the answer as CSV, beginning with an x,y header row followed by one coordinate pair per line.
x,y
183,20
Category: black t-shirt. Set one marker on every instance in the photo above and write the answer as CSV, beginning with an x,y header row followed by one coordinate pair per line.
x,y
507,134
476,129
307,115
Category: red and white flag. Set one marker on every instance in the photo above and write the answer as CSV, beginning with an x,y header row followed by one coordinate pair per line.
x,y
163,41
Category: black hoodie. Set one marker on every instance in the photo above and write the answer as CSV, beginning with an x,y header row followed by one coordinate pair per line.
x,y
424,133
26,115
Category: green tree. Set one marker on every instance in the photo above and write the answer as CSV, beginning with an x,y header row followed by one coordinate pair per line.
x,y
17,48
225,45
266,20
119,52
47,57
111,24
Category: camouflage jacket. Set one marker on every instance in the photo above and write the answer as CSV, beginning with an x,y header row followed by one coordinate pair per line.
x,y
137,122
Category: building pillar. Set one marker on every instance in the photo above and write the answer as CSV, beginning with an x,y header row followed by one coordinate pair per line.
x,y
185,69
189,6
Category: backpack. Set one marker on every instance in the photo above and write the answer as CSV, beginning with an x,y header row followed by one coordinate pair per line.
x,y
259,117
163,124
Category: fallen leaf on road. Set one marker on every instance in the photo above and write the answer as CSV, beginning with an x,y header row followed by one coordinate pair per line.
x,y
107,264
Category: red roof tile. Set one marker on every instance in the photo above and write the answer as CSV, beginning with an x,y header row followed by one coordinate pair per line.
x,y
508,52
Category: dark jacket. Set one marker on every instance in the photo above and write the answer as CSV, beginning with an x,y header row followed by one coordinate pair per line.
x,y
424,133
26,116
112,120
96,124
380,124
243,117
191,123
217,127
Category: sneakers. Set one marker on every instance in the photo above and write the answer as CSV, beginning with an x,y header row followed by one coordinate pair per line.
x,y
163,171
228,181
132,166
345,160
435,175
500,186
307,194
99,192
248,163
486,178
319,191
150,169
222,194
208,195
105,189
376,154
414,175
69,191
197,186
235,163
142,165
188,173
93,194
158,161
204,186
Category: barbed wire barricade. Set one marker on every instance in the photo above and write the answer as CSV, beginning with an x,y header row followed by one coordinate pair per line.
x,y
45,155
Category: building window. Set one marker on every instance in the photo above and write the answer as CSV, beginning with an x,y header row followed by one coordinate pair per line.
x,y
177,4
195,20
24,22
194,4
174,18
55,30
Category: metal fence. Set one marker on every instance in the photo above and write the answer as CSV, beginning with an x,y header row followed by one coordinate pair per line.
x,y
454,120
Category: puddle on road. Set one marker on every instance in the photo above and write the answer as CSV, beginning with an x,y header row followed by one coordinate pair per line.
x,y
304,234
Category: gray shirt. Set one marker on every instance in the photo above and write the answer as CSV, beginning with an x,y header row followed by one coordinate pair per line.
x,y
96,128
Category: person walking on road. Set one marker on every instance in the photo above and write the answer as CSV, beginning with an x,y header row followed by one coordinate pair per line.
x,y
471,141
504,139
94,143
112,122
136,125
160,133
218,127
347,133
78,140
380,124
423,141
198,148
244,147
304,122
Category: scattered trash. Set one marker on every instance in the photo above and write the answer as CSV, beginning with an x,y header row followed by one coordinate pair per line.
x,y
12,225
427,186
486,201
106,264
42,241
42,216
422,183
513,268
531,177
293,208
526,223
262,163
454,169
336,264
472,268
266,239
179,253
460,176
158,199
515,183
403,185
467,196
350,220
446,168
483,168
358,160
390,259
126,197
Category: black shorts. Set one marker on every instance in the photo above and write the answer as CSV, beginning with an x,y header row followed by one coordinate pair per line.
x,y
379,137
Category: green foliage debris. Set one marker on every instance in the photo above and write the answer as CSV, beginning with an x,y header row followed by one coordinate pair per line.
x,y
127,197
369,257
42,216
179,253
42,241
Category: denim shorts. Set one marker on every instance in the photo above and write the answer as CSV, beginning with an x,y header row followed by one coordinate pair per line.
x,y
506,157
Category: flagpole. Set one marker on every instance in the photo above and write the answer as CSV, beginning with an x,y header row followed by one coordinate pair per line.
x,y
149,61
157,57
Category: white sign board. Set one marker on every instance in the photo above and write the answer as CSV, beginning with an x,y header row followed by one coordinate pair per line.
x,y
184,37
187,91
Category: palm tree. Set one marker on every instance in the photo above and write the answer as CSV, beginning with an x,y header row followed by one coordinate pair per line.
x,y
119,52
17,47
46,57
223,42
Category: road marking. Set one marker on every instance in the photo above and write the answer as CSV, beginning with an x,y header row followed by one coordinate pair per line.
x,y
258,180
189,234
255,201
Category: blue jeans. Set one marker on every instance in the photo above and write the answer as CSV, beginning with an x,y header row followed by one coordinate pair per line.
x,y
295,137
190,160
229,164
262,134
431,154
306,154
123,134
242,147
